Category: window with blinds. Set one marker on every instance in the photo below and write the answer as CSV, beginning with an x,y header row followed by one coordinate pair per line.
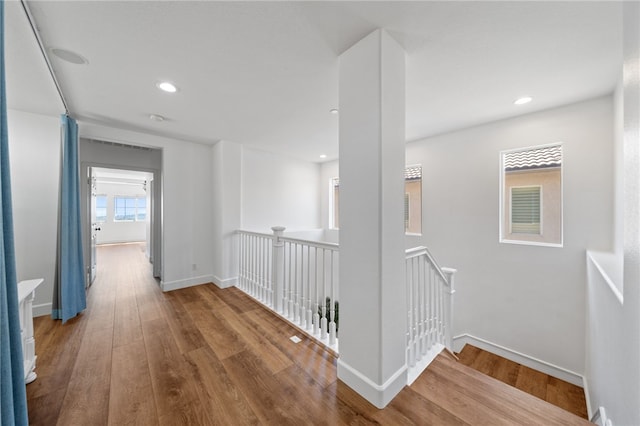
x,y
531,195
525,210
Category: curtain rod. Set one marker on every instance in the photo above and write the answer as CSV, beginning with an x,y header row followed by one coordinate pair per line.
x,y
44,54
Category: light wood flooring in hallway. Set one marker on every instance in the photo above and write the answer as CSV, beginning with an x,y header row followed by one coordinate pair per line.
x,y
206,356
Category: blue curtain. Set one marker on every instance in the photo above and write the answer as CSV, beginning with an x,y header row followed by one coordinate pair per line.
x,y
69,296
13,402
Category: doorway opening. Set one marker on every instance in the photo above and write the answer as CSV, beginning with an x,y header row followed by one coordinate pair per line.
x,y
123,197
120,210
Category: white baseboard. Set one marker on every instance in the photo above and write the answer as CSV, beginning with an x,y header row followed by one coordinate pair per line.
x,y
189,282
378,395
225,283
41,310
520,358
600,417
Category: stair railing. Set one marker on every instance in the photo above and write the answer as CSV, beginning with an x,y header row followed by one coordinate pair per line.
x,y
296,278
430,292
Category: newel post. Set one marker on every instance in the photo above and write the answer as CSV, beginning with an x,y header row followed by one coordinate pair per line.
x,y
278,266
448,306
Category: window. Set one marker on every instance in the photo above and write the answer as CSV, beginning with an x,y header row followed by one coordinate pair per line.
x,y
531,196
412,201
141,208
335,204
129,209
101,208
525,210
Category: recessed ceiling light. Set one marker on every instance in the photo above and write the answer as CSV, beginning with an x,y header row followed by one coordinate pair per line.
x,y
523,100
333,111
323,155
167,87
156,117
69,56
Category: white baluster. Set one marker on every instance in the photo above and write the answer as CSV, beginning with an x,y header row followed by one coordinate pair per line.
x,y
278,266
423,308
450,291
323,300
296,282
332,305
301,299
416,307
316,310
308,312
432,306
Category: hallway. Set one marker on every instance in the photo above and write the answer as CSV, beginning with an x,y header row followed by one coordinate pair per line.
x,y
204,356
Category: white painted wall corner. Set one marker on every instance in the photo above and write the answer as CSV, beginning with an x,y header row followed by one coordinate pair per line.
x,y
378,395
225,283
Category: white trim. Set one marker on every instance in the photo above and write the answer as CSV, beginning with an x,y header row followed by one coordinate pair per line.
x,y
585,386
530,243
520,358
414,372
188,282
225,283
612,286
378,395
41,310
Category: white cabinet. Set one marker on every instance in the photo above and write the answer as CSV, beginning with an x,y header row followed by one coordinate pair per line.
x,y
26,293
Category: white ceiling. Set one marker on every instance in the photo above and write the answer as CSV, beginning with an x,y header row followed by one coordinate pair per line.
x,y
265,73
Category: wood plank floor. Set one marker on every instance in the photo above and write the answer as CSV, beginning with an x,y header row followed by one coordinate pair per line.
x,y
555,391
206,356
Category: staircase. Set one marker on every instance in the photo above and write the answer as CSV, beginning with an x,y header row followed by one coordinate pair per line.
x,y
457,394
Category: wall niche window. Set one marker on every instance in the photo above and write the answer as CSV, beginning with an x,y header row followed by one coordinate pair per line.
x,y
531,196
412,201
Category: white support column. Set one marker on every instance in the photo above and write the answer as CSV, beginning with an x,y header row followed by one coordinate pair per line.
x,y
226,213
372,242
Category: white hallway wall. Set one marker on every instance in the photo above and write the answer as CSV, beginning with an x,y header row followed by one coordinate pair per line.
x,y
275,190
187,203
528,299
279,191
34,150
255,190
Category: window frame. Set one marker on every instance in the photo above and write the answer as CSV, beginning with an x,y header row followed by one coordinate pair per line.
x,y
335,182
502,235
